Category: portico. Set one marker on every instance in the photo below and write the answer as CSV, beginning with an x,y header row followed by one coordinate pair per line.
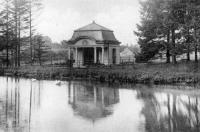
x,y
88,46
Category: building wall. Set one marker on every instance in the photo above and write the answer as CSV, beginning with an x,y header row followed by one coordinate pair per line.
x,y
118,55
111,54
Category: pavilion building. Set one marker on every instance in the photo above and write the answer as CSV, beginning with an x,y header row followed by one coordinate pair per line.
x,y
94,44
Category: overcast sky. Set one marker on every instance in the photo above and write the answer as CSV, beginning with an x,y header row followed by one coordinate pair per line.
x,y
60,18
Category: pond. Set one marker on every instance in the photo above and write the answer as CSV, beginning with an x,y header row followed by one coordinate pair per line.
x,y
28,105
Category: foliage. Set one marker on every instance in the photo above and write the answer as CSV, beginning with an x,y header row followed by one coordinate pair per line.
x,y
170,26
16,19
40,49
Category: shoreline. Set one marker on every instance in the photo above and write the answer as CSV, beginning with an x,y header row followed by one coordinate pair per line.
x,y
121,75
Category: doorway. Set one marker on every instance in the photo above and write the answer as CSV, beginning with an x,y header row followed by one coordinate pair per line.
x,y
88,56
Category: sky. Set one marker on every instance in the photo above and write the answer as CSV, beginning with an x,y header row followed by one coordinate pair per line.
x,y
59,18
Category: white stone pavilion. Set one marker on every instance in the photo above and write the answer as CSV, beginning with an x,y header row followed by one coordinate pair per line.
x,y
94,44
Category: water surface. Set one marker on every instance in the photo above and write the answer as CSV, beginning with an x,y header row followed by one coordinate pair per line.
x,y
42,106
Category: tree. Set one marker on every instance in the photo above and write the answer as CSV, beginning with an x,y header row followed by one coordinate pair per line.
x,y
151,38
19,25
169,23
34,7
17,18
189,11
40,48
6,27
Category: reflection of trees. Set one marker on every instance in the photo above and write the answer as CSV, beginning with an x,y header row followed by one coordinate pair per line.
x,y
34,100
92,102
170,112
14,110
150,111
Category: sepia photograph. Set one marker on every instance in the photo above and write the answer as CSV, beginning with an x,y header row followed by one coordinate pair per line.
x,y
99,65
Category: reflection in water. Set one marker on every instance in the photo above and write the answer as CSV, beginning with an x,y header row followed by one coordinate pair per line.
x,y
13,105
92,102
42,106
165,112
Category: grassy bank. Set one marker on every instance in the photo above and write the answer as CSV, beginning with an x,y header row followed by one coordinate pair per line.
x,y
138,73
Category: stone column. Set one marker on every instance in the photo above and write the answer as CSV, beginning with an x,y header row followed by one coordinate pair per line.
x,y
110,56
95,55
69,54
76,56
102,61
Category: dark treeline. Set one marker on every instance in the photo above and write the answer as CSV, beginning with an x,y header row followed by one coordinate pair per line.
x,y
17,30
170,27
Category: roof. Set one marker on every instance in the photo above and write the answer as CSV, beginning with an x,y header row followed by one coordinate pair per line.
x,y
93,27
96,32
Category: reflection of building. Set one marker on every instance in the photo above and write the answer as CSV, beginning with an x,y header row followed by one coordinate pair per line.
x,y
92,102
94,44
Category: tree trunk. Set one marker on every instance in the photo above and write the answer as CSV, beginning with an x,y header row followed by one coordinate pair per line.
x,y
7,55
12,56
40,61
39,53
16,54
19,46
188,45
30,37
174,47
39,57
7,36
196,53
168,47
188,52
19,38
16,33
16,47
195,46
